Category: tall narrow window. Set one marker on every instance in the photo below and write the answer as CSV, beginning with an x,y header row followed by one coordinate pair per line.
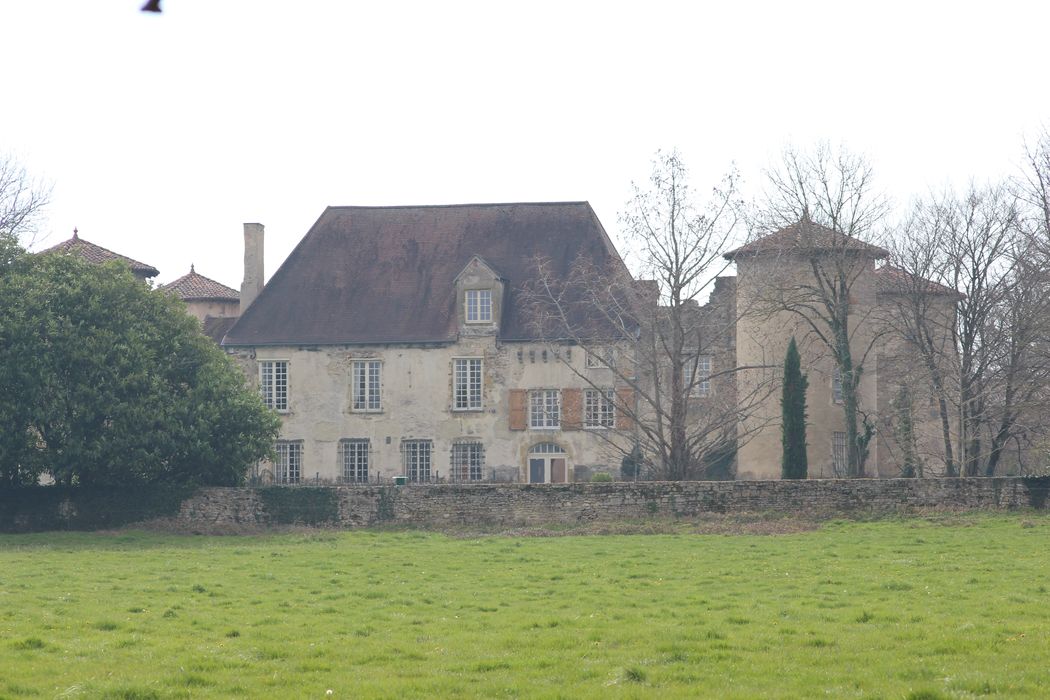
x,y
415,455
545,409
479,306
353,459
466,384
367,389
838,453
289,466
699,383
836,385
598,408
273,384
468,459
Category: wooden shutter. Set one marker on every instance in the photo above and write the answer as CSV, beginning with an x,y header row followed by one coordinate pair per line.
x,y
571,409
625,408
518,402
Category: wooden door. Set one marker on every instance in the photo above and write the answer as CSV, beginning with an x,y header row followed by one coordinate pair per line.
x,y
558,475
536,470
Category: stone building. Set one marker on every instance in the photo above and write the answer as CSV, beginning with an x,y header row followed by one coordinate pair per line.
x,y
212,303
394,341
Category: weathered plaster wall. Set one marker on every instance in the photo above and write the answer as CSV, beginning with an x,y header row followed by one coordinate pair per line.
x,y
417,404
202,308
522,504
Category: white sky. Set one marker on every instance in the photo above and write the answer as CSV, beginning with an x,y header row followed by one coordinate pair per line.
x,y
163,133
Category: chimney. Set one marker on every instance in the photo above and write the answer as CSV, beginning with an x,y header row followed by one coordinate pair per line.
x,y
253,265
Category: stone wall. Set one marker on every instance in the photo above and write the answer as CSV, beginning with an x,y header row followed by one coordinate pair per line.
x,y
514,505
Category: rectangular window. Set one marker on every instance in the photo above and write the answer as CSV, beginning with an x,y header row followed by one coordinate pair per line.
x,y
701,387
415,455
479,306
598,408
353,458
273,384
838,453
545,409
466,384
289,466
836,385
367,381
468,459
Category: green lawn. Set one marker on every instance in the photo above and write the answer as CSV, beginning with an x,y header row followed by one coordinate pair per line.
x,y
952,607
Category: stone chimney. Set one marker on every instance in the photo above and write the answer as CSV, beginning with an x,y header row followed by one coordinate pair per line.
x,y
253,265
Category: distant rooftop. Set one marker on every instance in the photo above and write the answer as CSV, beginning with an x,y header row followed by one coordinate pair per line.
x,y
96,254
806,235
194,286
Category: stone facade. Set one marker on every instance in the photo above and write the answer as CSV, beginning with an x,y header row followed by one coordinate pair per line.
x,y
514,505
417,404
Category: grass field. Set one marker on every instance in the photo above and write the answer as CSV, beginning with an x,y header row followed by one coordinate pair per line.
x,y
951,607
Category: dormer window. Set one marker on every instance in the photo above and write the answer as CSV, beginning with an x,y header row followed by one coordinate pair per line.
x,y
479,305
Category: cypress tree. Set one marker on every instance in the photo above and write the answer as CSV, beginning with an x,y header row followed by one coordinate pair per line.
x,y
793,464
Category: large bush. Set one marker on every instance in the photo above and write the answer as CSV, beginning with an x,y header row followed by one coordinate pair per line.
x,y
104,381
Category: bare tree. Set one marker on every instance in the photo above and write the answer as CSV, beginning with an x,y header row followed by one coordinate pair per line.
x,y
826,212
993,372
672,355
22,203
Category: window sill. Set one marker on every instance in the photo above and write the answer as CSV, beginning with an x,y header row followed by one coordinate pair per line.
x,y
479,409
366,411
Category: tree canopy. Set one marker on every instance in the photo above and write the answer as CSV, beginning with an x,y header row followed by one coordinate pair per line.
x,y
105,382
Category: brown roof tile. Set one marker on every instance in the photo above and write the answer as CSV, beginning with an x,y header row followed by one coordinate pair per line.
x,y
806,235
894,280
386,274
97,254
194,286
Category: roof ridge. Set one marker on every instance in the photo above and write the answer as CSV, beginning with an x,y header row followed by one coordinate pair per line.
x,y
462,205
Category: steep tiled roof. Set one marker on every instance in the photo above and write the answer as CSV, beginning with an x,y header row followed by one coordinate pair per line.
x,y
806,235
97,254
893,280
194,286
386,274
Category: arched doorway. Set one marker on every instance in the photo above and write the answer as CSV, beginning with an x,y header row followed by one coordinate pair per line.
x,y
547,464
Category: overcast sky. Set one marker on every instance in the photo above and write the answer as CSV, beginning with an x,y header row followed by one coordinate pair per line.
x,y
163,133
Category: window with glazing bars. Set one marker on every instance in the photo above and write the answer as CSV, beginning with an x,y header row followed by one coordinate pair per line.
x,y
839,454
545,408
416,457
273,383
468,460
289,466
702,385
479,305
367,389
836,385
467,384
353,458
598,408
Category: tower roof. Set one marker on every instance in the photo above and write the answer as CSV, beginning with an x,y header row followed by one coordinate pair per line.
x,y
194,286
97,254
806,235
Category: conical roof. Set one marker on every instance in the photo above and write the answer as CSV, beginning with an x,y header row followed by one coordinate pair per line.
x,y
194,286
97,254
806,235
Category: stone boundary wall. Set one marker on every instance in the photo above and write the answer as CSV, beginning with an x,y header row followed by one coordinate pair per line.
x,y
514,505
